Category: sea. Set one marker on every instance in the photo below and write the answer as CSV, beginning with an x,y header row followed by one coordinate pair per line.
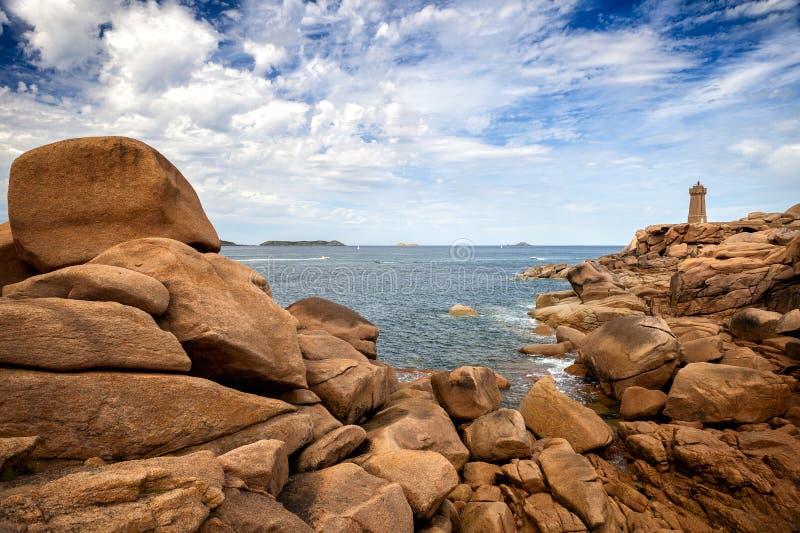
x,y
407,291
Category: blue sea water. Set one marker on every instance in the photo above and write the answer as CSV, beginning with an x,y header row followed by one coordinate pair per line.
x,y
407,292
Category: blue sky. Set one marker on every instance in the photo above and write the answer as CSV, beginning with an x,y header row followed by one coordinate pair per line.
x,y
371,122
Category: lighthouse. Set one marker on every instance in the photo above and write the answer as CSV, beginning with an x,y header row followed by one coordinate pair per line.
x,y
697,204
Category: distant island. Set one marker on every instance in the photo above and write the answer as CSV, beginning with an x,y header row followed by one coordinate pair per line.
x,y
523,243
301,243
405,244
229,243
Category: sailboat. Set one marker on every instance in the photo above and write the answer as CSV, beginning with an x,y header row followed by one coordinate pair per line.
x,y
358,247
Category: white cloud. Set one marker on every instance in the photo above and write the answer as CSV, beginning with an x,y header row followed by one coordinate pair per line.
x,y
266,55
3,20
786,160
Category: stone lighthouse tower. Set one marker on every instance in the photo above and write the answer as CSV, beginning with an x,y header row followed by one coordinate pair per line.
x,y
697,204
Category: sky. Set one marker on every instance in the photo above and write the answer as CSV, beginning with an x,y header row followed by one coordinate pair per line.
x,y
373,122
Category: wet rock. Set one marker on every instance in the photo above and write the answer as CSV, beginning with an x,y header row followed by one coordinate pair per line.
x,y
553,350
426,477
116,415
574,483
487,517
467,392
262,465
550,413
331,448
754,324
631,351
462,310
165,493
638,402
59,334
70,200
415,424
346,498
498,436
221,311
709,392
339,321
244,511
95,283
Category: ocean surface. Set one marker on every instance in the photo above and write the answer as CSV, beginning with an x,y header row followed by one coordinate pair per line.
x,y
407,292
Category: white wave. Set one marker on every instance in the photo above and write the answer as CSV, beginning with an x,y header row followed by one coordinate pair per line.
x,y
267,259
538,258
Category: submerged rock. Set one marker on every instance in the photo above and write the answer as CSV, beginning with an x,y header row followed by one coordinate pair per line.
x,y
462,310
70,200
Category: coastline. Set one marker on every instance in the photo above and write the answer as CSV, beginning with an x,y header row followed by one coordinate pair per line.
x,y
156,362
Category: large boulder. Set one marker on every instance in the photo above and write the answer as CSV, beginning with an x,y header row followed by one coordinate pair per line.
x,y
487,517
574,483
708,392
331,448
12,269
15,452
638,402
263,465
160,494
415,424
70,200
346,498
631,351
789,324
319,344
338,320
467,392
62,335
498,436
754,324
116,415
252,512
221,311
550,413
592,281
426,477
349,389
96,283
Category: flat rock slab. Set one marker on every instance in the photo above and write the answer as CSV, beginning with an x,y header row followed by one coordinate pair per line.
x,y
64,335
708,392
426,477
96,283
550,413
160,494
221,311
70,200
331,448
346,498
117,415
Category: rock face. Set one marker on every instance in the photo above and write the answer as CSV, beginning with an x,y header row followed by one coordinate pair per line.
x,y
550,413
462,310
498,436
631,351
95,283
467,392
708,392
592,281
339,321
426,477
164,493
70,200
12,269
262,465
346,498
415,424
58,334
117,415
221,311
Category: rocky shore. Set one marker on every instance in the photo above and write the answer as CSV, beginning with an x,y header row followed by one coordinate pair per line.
x,y
148,383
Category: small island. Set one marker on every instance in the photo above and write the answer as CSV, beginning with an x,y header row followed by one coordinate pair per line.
x,y
405,244
523,243
302,243
228,243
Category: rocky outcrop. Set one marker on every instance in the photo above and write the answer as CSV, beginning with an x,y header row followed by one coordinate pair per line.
x,y
339,321
95,283
631,351
118,415
70,200
708,392
550,413
221,311
467,392
164,493
63,335
346,498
